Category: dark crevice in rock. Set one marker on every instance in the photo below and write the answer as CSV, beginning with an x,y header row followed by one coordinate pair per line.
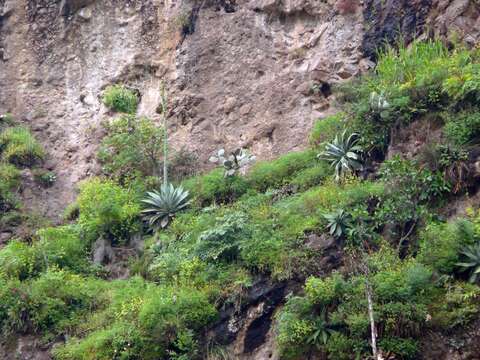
x,y
391,21
259,328
272,294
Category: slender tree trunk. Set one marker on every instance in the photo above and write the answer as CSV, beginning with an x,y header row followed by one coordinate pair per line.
x,y
165,135
373,329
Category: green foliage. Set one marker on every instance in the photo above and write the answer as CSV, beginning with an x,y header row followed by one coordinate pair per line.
x,y
471,261
458,307
412,81
19,147
132,149
121,99
338,222
164,204
213,187
402,291
408,190
64,248
107,210
279,172
325,130
440,244
44,178
463,128
9,183
344,154
312,176
234,162
222,240
18,260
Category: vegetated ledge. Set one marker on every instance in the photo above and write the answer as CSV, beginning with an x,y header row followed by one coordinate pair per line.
x,y
248,240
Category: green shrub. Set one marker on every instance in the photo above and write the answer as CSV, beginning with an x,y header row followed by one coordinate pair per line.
x,y
120,98
402,291
18,260
13,308
213,187
458,307
279,172
325,129
63,247
311,176
106,209
19,147
59,299
404,348
441,243
9,183
463,128
132,149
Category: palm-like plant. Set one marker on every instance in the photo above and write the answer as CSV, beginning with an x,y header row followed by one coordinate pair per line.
x,y
322,331
471,263
344,154
164,204
338,222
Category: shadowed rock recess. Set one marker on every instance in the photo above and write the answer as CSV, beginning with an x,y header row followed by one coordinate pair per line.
x,y
254,74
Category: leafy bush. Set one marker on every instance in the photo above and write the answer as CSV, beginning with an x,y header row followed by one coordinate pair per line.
x,y
222,240
440,244
120,98
63,247
413,80
19,147
132,149
408,190
10,181
164,205
106,209
312,176
463,128
279,172
325,130
213,187
402,291
18,260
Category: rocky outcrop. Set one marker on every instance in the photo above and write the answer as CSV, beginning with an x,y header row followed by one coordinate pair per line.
x,y
251,73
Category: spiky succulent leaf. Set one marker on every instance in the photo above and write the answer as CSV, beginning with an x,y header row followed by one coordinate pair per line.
x,y
344,154
471,261
164,204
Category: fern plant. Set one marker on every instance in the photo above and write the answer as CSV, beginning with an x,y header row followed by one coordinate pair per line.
x,y
164,205
344,154
471,263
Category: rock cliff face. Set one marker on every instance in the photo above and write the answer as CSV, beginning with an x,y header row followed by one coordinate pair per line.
x,y
252,73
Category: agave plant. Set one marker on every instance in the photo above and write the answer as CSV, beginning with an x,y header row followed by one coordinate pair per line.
x,y
233,162
344,154
338,222
164,204
471,263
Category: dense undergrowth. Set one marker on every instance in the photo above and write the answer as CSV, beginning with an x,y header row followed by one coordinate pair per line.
x,y
386,220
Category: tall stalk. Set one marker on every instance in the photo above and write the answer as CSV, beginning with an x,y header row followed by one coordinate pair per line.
x,y
164,104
